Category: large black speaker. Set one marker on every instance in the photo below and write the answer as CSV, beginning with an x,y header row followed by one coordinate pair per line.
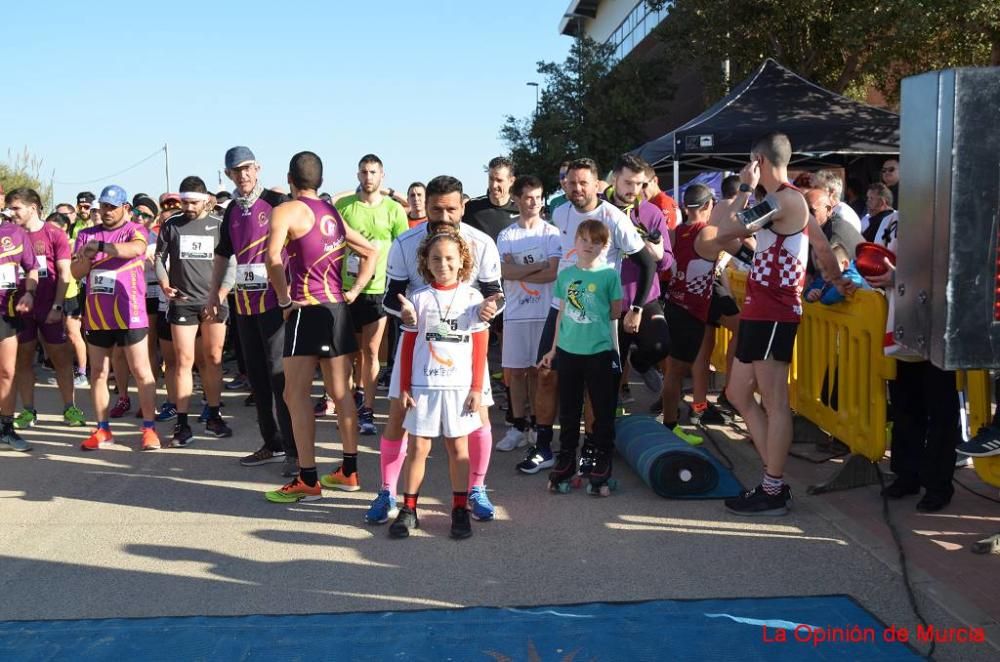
x,y
947,288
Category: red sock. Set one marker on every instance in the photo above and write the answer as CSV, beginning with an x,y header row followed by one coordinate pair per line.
x,y
459,499
410,501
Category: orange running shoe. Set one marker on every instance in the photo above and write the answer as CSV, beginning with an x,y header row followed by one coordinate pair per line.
x,y
101,438
150,440
336,480
295,491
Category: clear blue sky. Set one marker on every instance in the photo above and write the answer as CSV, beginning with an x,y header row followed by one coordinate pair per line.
x,y
93,87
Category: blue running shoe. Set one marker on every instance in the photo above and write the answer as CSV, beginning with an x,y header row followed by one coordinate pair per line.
x,y
479,504
383,508
167,412
203,416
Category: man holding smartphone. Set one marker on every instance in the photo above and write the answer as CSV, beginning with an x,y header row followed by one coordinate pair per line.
x,y
784,230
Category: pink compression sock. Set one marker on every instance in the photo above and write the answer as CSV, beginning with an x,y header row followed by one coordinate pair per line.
x,y
391,457
480,447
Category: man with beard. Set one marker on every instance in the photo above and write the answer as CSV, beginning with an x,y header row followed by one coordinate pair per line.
x,y
380,220
185,250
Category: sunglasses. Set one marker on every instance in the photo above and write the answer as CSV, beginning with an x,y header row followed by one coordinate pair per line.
x,y
83,205
142,215
172,204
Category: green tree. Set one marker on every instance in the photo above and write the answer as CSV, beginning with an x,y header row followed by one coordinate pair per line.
x,y
588,108
848,46
24,169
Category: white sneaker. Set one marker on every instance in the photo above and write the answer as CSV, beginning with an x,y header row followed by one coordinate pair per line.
x,y
513,439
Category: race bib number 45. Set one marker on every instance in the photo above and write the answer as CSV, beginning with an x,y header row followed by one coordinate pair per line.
x,y
251,277
197,247
102,281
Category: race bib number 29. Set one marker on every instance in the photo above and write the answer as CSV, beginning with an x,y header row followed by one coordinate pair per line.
x,y
251,277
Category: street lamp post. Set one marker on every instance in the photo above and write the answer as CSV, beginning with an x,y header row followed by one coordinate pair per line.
x,y
534,85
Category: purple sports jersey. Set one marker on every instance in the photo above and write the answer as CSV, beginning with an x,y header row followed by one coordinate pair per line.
x,y
315,260
116,286
50,244
16,254
247,240
649,219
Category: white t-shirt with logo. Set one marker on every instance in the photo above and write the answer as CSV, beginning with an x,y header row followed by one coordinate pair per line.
x,y
528,302
446,320
624,238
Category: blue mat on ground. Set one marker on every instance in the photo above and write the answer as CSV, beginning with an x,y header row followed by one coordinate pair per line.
x,y
722,629
669,465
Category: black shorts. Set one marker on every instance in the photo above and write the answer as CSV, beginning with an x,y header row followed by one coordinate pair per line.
x,y
759,341
722,305
9,326
152,306
366,309
71,307
548,335
190,314
163,331
686,333
325,331
119,337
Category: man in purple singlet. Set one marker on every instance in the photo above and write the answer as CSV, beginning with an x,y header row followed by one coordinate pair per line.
x,y
318,327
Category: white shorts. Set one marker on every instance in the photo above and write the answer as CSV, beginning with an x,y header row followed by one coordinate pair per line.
x,y
520,344
439,413
486,401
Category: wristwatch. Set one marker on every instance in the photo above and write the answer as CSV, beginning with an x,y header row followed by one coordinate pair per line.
x,y
745,188
57,307
635,309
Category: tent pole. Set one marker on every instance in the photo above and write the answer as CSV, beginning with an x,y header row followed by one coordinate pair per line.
x,y
677,178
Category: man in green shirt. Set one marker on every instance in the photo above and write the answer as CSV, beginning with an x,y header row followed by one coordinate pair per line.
x,y
380,220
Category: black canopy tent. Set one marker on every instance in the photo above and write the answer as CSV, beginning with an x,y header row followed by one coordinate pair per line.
x,y
826,129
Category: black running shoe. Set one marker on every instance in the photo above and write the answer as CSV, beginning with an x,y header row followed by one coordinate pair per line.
x,y
406,521
708,416
182,436
250,401
758,502
218,427
461,527
723,403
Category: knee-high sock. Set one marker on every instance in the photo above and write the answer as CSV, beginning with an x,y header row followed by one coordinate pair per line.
x,y
480,447
392,454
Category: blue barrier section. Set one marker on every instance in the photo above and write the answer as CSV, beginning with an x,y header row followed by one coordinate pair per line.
x,y
668,464
728,629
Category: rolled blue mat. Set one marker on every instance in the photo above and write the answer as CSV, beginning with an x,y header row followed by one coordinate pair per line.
x,y
669,465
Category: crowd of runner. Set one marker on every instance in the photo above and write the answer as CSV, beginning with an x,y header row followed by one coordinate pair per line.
x,y
554,303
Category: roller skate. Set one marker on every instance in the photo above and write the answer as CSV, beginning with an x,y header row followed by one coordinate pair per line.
x,y
588,455
601,483
563,471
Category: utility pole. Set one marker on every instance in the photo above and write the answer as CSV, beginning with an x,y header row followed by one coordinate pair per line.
x,y
166,164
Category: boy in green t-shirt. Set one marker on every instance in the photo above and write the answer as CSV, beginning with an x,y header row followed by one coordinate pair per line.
x,y
591,299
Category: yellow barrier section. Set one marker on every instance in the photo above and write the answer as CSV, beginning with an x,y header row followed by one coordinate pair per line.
x,y
839,351
843,340
977,387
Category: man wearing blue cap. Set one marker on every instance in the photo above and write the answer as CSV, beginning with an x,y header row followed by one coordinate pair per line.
x,y
111,257
259,321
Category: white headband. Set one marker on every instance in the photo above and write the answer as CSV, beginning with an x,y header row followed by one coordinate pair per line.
x,y
192,196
